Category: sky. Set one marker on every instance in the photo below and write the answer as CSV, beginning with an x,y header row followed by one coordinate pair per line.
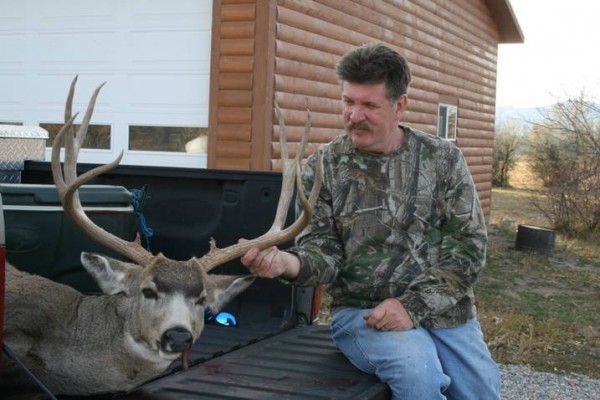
x,y
560,57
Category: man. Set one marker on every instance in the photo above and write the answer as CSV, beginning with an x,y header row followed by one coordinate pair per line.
x,y
399,237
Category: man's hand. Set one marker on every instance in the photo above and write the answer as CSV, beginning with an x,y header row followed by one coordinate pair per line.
x,y
271,263
389,315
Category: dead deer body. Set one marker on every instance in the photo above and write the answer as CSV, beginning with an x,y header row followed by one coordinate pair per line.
x,y
153,307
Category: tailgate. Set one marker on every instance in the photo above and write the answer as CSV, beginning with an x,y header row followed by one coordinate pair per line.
x,y
302,363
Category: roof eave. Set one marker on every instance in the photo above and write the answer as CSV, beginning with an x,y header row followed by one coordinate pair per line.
x,y
508,27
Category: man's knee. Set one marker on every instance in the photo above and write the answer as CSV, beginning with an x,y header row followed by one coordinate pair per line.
x,y
414,376
408,363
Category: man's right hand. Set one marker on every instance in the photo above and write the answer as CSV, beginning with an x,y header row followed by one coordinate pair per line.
x,y
272,263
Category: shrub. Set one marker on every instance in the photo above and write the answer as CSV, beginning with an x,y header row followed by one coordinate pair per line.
x,y
507,144
564,150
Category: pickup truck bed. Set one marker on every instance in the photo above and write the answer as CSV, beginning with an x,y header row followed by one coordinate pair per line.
x,y
300,363
274,352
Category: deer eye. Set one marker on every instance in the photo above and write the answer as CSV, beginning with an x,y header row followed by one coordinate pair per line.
x,y
149,294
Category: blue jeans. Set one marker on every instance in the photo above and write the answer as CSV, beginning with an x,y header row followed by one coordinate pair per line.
x,y
420,363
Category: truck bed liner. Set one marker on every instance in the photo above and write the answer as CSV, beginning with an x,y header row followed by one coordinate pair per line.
x,y
273,353
301,363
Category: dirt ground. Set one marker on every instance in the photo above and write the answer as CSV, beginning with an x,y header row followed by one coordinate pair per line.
x,y
548,304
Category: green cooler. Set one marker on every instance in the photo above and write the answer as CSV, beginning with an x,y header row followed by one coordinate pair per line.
x,y
41,239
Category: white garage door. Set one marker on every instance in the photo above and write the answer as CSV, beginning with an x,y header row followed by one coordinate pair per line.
x,y
154,56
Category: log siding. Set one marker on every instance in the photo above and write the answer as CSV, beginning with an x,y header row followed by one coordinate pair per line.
x,y
286,51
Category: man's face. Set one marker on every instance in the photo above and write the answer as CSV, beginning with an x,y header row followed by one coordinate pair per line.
x,y
371,121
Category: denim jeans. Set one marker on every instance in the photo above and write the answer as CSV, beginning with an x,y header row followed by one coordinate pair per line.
x,y
420,363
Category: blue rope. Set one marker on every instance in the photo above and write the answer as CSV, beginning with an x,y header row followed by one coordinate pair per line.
x,y
138,201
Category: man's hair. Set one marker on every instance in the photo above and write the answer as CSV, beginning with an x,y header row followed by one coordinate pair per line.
x,y
373,64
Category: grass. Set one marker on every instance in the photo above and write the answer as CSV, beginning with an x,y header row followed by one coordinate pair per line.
x,y
541,310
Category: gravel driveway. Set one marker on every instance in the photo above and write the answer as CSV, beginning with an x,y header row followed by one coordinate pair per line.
x,y
522,383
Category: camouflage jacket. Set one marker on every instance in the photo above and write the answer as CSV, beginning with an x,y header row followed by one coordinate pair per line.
x,y
406,224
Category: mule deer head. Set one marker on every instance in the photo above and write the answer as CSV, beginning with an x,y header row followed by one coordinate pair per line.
x,y
153,307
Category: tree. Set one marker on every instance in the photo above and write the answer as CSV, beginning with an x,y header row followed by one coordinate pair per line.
x,y
565,156
508,143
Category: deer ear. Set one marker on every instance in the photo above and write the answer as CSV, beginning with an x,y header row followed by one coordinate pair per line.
x,y
110,274
224,288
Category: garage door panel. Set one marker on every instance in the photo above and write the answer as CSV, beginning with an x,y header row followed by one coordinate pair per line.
x,y
69,14
15,14
10,106
154,56
184,48
52,90
171,96
86,50
197,13
13,57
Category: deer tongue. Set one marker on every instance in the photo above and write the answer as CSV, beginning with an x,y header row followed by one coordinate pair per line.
x,y
185,357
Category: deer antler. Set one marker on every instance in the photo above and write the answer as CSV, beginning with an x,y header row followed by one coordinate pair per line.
x,y
277,234
67,182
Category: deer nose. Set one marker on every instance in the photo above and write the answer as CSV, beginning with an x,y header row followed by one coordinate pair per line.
x,y
176,340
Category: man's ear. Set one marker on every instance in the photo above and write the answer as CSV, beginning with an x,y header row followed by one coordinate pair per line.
x,y
401,105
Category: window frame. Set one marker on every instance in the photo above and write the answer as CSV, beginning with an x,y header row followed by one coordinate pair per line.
x,y
444,128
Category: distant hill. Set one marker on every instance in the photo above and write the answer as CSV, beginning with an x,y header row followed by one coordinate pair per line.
x,y
524,115
532,115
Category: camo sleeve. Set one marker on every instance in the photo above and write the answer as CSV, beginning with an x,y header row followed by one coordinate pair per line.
x,y
445,290
318,247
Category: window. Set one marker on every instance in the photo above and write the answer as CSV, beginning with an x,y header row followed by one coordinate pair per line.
x,y
447,121
97,137
164,138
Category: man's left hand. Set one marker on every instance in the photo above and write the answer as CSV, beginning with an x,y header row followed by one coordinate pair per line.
x,y
389,315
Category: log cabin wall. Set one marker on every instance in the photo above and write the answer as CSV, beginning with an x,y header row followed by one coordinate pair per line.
x,y
286,51
241,71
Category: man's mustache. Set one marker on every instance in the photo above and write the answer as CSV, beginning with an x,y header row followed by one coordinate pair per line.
x,y
363,126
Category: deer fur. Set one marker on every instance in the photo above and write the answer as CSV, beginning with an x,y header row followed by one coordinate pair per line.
x,y
89,344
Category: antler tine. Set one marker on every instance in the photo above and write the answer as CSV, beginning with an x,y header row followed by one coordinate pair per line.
x,y
289,172
74,141
277,235
69,103
67,182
